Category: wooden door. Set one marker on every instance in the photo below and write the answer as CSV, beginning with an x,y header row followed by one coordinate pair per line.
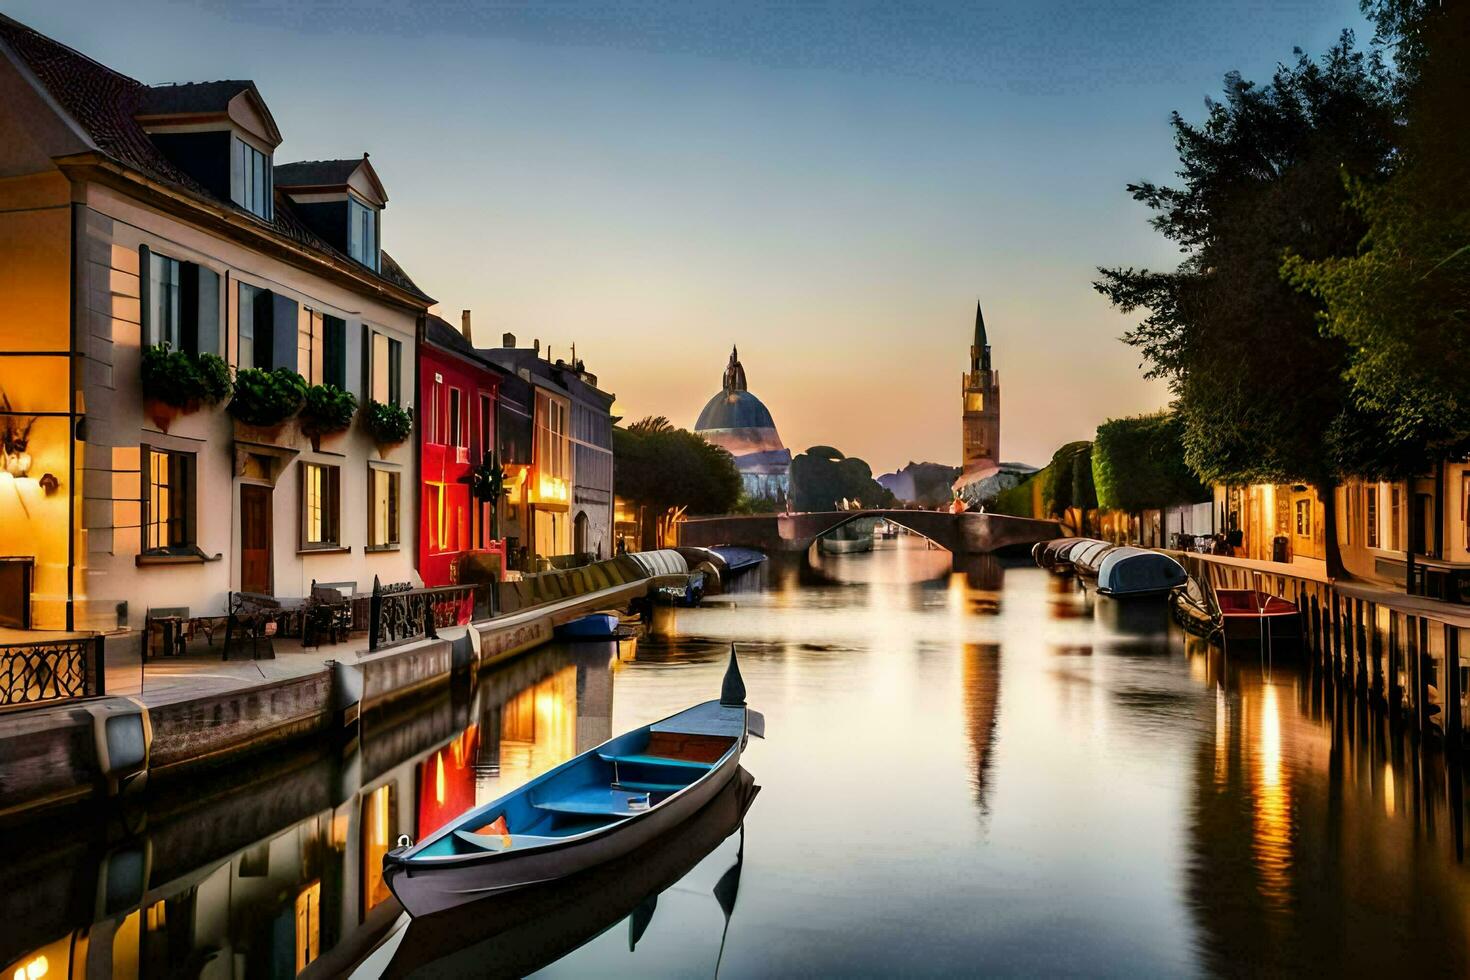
x,y
255,538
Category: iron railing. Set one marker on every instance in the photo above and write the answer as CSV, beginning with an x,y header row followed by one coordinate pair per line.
x,y
401,614
50,670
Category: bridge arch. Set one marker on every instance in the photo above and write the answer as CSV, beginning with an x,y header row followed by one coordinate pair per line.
x,y
967,533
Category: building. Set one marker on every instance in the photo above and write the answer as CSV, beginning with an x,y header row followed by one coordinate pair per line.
x,y
565,499
133,216
982,474
738,421
458,406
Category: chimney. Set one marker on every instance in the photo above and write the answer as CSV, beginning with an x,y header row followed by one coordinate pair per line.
x,y
507,340
536,345
464,326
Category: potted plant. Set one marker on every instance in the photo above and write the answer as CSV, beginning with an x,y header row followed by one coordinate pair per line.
x,y
487,486
387,424
328,411
176,382
264,401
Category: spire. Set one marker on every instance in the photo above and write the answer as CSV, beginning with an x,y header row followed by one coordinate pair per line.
x,y
734,373
980,351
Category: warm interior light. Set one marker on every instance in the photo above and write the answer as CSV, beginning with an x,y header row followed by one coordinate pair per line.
x,y
35,968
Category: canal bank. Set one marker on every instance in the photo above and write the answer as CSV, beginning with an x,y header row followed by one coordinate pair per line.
x,y
169,718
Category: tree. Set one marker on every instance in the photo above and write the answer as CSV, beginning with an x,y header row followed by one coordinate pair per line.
x,y
1259,389
1021,499
1069,482
822,476
1138,464
1401,302
662,467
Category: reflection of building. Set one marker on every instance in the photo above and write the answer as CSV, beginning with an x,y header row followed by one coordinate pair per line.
x,y
737,421
980,684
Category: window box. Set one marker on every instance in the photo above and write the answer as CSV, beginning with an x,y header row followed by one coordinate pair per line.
x,y
282,435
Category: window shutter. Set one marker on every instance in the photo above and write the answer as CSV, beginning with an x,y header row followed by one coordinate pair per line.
x,y
262,306
283,341
334,351
206,325
145,317
367,365
189,307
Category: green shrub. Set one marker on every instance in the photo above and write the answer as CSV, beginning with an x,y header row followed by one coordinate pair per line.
x,y
387,424
267,398
181,379
328,410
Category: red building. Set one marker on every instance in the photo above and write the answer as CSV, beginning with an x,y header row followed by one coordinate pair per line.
x,y
456,428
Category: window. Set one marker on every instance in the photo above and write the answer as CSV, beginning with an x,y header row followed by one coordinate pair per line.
x,y
487,427
168,501
321,505
250,179
455,421
248,297
387,367
1304,518
267,328
383,515
362,233
180,303
1370,514
1465,507
1394,520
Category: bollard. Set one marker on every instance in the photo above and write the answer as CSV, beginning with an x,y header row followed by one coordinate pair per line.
x,y
123,736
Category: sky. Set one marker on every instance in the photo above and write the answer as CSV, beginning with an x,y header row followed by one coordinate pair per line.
x,y
829,184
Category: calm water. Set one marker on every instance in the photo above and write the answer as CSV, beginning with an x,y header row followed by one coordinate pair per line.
x,y
979,771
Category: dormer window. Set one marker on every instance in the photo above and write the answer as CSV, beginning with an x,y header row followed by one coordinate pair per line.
x,y
362,233
250,179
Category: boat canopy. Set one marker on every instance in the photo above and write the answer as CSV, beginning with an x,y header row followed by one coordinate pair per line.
x,y
1086,557
663,562
1136,571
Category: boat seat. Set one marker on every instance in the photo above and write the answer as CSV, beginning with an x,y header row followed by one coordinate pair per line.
x,y
593,801
496,842
652,760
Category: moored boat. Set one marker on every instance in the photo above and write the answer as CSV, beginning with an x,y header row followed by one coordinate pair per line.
x,y
589,810
594,626
1249,614
1138,572
1085,558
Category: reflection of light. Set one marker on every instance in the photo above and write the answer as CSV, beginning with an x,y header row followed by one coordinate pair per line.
x,y
439,777
1222,736
1270,739
1388,800
380,817
1272,837
35,968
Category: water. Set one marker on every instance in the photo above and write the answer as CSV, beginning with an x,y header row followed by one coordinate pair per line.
x,y
975,771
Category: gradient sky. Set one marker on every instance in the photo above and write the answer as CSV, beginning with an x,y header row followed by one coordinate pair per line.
x,y
830,184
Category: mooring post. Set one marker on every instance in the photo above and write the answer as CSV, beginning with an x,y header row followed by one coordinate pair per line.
x,y
1420,659
1380,690
1395,665
1336,632
1451,687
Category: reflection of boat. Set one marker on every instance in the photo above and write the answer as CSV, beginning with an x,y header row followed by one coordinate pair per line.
x,y
590,809
517,934
1126,573
595,626
1052,555
1247,614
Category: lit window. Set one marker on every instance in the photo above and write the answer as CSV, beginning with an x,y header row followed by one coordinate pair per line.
x,y
383,516
1304,518
1394,504
250,179
168,503
321,499
1370,514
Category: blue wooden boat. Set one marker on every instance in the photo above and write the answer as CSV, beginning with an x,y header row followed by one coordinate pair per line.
x,y
595,626
589,810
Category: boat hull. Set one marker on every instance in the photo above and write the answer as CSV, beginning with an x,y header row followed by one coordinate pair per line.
x,y
431,890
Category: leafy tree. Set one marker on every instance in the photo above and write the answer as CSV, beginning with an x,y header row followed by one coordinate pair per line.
x,y
663,467
1259,389
1069,482
1138,464
1401,303
822,476
1020,500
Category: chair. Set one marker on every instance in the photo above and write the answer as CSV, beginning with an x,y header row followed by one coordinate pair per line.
x,y
172,625
251,615
329,611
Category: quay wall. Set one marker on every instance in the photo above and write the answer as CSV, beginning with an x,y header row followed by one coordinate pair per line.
x,y
50,755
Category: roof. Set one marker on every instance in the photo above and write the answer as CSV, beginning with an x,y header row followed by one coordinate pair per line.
x,y
105,104
734,410
311,173
166,100
981,341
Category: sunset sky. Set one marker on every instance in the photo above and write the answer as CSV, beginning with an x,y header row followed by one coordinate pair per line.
x,y
831,185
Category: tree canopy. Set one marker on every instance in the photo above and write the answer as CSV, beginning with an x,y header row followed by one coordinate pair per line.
x,y
1260,390
1138,464
663,467
822,476
1069,482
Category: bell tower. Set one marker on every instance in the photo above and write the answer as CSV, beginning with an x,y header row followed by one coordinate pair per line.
x,y
981,391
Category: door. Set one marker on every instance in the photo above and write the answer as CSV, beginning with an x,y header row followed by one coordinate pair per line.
x,y
579,530
255,538
1423,520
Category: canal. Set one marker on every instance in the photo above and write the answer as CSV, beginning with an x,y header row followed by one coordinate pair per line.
x,y
978,770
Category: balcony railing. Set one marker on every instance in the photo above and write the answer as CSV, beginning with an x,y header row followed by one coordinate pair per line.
x,y
401,614
50,670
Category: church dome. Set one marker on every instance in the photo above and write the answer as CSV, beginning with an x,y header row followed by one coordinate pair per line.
x,y
738,420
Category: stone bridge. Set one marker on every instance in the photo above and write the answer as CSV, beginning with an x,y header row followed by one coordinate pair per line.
x,y
962,534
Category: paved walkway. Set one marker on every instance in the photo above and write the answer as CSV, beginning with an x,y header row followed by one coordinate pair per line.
x,y
164,680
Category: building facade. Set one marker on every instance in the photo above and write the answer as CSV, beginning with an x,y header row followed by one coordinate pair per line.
x,y
458,406
134,216
739,422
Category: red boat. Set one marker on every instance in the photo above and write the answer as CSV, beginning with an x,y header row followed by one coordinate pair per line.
x,y
1249,614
